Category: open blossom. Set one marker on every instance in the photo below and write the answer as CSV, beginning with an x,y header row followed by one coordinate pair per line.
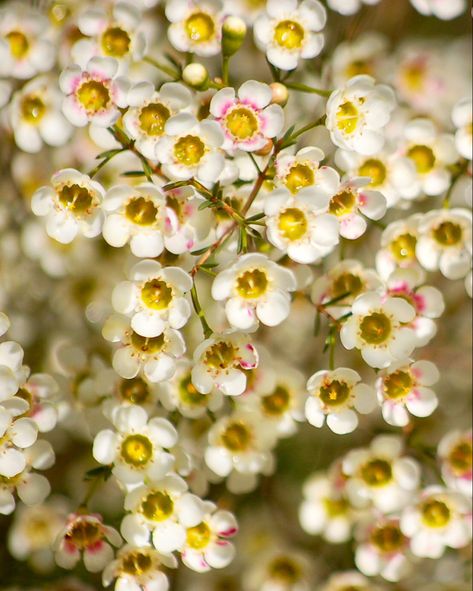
x,y
71,205
357,114
364,54
335,396
149,110
289,31
445,242
377,329
220,362
403,389
247,118
440,518
137,215
455,452
12,374
136,446
254,288
86,536
154,298
302,169
195,26
462,119
93,93
16,435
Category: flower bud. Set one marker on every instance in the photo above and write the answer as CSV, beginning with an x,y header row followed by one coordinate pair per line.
x,y
280,93
266,149
233,35
196,76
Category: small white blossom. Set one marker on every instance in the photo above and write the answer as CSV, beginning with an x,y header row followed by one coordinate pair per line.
x,y
462,119
455,452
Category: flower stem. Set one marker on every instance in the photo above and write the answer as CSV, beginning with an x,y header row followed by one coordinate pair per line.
x,y
200,313
309,89
165,69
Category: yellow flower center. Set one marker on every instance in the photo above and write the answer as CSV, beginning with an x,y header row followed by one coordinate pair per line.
x,y
289,34
32,108
335,507
342,203
435,513
93,96
252,284
376,472
277,403
148,345
448,233
347,283
242,123
135,390
300,175
414,75
375,169
285,570
136,562
398,384
387,538
220,356
153,117
189,394
334,393
157,506
19,45
460,458
199,536
347,117
403,247
200,27
375,328
115,42
75,198
189,150
292,223
357,67
156,294
141,211
423,158
236,436
136,450
84,533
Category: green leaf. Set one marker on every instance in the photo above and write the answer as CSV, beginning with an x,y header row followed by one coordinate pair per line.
x,y
133,173
100,472
199,251
256,217
109,153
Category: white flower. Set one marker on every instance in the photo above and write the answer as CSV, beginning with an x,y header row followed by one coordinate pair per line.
x,y
191,148
363,54
138,569
137,215
16,435
302,169
154,298
445,242
382,549
431,153
207,545
403,388
120,393
352,578
85,536
462,119
352,203
357,114
35,116
71,205
221,361
325,509
455,452
113,34
376,327
443,10
161,509
149,111
289,31
346,277
254,288
334,395
195,26
12,374
40,392
297,224
136,447
380,476
154,356
24,47
347,7
247,119
93,94
440,518
426,300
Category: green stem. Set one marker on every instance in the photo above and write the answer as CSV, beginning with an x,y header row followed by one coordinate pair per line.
x,y
304,88
165,69
307,127
101,164
226,69
200,313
